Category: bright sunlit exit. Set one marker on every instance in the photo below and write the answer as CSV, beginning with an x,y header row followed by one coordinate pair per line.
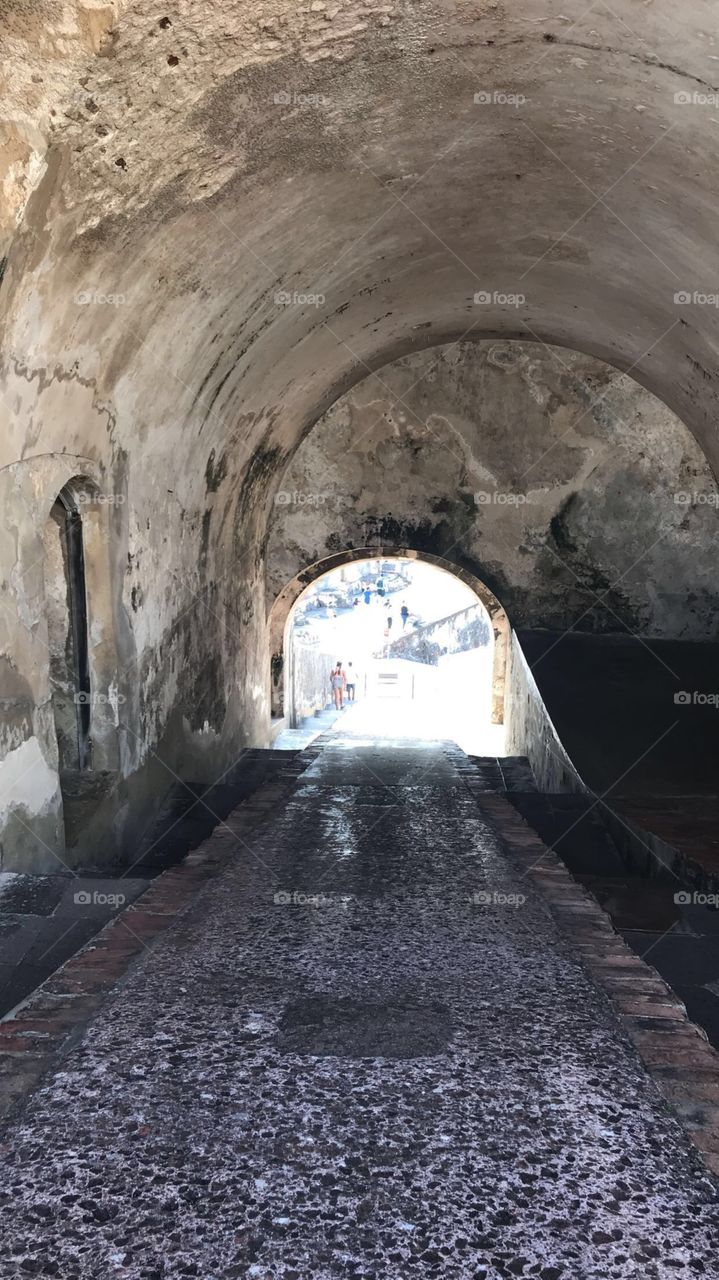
x,y
396,647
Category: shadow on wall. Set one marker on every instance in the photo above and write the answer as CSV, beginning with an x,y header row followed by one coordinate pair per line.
x,y
616,715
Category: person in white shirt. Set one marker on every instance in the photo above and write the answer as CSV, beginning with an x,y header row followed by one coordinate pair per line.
x,y
352,681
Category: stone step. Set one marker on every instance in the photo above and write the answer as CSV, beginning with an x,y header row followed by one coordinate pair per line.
x,y
572,825
503,773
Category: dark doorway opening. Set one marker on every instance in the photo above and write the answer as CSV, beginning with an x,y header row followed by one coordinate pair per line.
x,y
66,604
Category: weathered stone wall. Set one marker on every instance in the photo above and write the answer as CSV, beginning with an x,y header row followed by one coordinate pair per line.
x,y
546,474
468,629
174,184
309,681
530,731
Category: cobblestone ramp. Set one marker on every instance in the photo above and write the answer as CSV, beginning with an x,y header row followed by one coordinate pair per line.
x,y
365,1051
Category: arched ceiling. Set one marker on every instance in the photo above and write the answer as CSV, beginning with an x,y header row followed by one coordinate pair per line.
x,y
166,171
580,499
173,176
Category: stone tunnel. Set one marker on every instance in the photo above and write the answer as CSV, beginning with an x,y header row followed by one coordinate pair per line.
x,y
285,286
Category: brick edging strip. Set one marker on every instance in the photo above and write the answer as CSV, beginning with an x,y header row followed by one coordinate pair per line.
x,y
51,1020
674,1050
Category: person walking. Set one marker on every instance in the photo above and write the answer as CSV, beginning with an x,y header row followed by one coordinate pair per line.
x,y
338,682
404,612
351,682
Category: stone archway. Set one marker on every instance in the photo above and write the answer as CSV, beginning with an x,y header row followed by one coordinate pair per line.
x,y
281,615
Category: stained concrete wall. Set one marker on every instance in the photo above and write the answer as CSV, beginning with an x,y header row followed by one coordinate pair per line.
x,y
309,682
175,184
430,457
178,653
558,484
530,731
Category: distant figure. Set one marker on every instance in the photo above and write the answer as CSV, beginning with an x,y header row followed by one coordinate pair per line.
x,y
351,682
404,611
338,682
389,621
367,595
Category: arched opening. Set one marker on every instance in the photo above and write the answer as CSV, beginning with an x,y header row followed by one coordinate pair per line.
x,y
214,223
83,676
67,630
449,650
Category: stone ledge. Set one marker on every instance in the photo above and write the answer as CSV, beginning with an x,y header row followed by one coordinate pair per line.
x,y
674,1050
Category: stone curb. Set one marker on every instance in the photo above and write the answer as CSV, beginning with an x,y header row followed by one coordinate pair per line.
x,y
51,1020
675,1051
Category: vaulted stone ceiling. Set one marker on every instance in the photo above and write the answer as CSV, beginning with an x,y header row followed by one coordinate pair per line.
x,y
576,496
169,170
217,218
